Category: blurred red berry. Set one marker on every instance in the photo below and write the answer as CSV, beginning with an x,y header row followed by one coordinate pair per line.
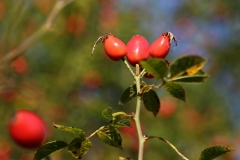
x,y
75,24
168,107
20,65
8,95
5,150
27,129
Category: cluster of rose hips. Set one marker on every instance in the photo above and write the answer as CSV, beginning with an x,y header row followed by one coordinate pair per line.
x,y
138,48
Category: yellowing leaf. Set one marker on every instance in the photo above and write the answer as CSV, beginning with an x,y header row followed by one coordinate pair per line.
x,y
189,64
193,70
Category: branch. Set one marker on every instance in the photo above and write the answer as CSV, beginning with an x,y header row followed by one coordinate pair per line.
x,y
129,68
137,115
10,56
95,132
170,144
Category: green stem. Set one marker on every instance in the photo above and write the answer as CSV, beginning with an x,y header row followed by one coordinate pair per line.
x,y
137,117
160,85
170,144
143,72
129,68
137,76
95,132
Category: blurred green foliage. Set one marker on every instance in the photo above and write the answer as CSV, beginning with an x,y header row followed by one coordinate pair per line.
x,y
59,79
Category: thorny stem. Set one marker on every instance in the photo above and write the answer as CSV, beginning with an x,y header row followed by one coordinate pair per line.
x,y
170,144
60,4
137,115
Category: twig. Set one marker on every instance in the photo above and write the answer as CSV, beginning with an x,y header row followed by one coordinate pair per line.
x,y
95,132
129,68
170,144
60,4
158,86
143,72
99,129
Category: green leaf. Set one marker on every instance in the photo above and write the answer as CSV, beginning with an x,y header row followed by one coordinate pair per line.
x,y
175,90
121,119
107,113
189,64
73,130
111,136
79,147
156,67
151,101
213,152
128,94
49,149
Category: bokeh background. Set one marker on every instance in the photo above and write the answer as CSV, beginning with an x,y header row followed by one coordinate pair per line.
x,y
57,77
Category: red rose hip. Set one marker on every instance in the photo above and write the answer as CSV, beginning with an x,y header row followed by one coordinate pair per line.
x,y
161,46
27,129
137,49
114,47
